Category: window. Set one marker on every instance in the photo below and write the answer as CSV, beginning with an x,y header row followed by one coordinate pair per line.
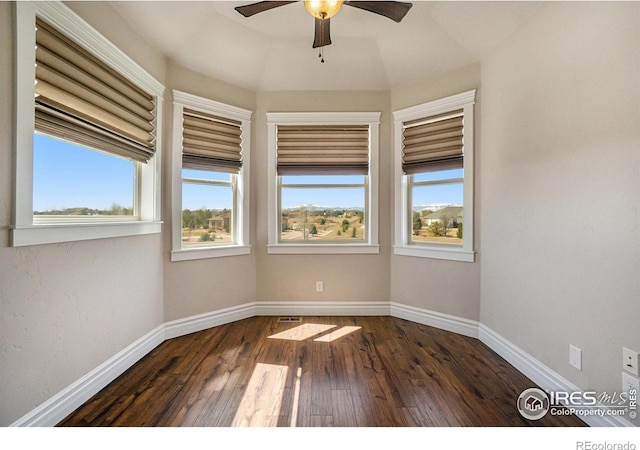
x,y
75,183
211,154
324,171
434,179
87,148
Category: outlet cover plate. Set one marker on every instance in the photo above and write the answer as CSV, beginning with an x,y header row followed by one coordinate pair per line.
x,y
575,357
630,361
629,383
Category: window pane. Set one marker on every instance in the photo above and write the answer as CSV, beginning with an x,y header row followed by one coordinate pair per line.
x,y
323,179
323,214
206,215
437,214
73,180
439,175
206,175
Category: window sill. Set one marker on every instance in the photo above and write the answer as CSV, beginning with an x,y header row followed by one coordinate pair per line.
x,y
435,253
66,232
209,252
322,249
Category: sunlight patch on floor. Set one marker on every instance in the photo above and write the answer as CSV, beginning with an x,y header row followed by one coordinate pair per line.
x,y
262,400
302,332
330,337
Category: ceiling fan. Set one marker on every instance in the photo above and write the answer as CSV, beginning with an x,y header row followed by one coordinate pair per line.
x,y
323,10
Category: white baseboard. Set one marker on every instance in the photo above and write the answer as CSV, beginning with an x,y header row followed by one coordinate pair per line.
x,y
68,400
322,308
459,325
62,404
192,324
540,374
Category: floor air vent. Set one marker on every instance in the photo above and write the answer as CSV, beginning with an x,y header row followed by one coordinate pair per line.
x,y
289,319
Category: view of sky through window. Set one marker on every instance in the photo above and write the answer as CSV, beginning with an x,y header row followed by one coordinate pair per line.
x,y
67,176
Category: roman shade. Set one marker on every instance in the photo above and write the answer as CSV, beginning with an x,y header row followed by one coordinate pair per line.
x,y
211,142
80,99
323,149
433,143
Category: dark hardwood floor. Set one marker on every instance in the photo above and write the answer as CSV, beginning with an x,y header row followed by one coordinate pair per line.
x,y
383,372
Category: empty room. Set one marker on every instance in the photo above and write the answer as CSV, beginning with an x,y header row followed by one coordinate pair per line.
x,y
320,215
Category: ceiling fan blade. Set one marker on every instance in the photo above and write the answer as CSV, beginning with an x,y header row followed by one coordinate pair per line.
x,y
322,35
393,10
255,8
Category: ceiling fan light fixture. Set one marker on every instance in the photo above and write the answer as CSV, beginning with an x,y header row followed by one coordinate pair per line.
x,y
323,9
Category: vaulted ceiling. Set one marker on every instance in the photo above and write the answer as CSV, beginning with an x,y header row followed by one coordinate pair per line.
x,y
273,50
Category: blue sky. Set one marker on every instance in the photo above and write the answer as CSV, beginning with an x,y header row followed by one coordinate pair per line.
x,y
67,176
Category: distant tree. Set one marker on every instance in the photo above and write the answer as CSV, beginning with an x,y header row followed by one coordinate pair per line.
x,y
322,221
459,233
417,223
205,237
314,230
187,219
445,219
339,233
353,232
436,228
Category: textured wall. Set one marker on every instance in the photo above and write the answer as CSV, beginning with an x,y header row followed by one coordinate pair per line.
x,y
560,188
64,308
205,285
448,287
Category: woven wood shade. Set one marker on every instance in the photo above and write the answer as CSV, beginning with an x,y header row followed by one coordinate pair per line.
x,y
323,150
433,143
81,99
210,142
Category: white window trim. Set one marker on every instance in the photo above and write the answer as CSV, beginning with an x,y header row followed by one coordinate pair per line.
x,y
402,246
372,119
24,230
241,207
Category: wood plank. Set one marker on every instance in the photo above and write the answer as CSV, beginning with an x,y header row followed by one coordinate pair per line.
x,y
387,373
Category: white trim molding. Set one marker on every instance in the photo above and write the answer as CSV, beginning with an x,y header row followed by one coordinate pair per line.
x,y
402,245
372,120
458,325
27,231
323,308
540,374
241,199
193,324
69,399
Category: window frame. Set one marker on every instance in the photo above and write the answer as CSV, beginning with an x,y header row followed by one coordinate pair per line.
x,y
403,183
26,230
370,245
241,187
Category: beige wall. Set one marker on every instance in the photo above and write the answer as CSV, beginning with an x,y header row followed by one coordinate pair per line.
x,y
205,285
561,189
448,287
357,278
65,308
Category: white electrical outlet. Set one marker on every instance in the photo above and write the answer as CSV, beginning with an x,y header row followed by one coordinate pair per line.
x,y
630,361
630,383
319,286
575,357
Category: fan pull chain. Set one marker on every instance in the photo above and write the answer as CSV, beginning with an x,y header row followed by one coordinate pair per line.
x,y
320,55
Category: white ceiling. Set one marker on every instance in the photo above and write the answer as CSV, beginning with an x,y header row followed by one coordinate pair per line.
x,y
272,50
